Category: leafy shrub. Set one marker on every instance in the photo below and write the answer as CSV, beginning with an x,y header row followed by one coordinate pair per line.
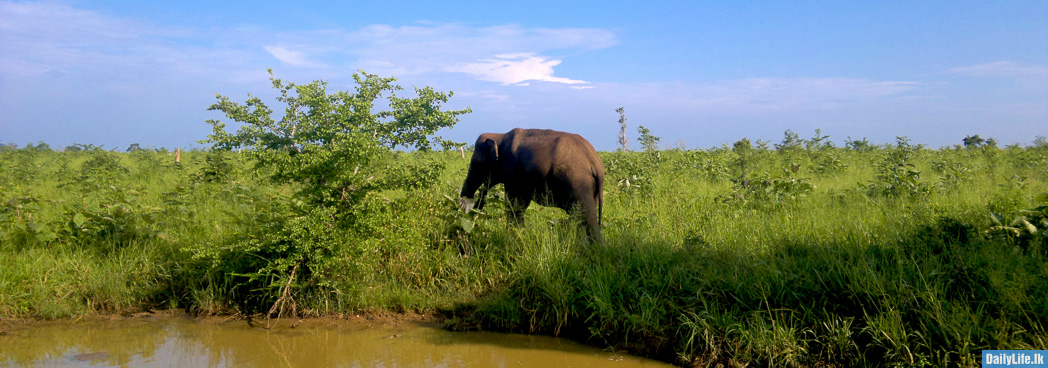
x,y
109,226
712,166
463,230
951,174
769,189
23,226
827,163
897,175
631,172
99,172
1028,228
745,156
336,152
217,168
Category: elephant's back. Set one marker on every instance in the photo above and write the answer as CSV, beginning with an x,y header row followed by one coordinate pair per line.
x,y
552,150
577,154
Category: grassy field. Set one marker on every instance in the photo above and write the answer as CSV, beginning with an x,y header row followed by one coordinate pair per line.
x,y
802,254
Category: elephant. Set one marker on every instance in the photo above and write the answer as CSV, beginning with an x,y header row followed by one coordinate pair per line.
x,y
549,167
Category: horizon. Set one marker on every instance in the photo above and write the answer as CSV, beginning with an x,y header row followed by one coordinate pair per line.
x,y
1038,141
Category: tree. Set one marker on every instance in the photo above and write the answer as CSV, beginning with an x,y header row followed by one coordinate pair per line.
x,y
648,141
973,141
744,150
790,141
818,142
330,143
1040,142
862,145
623,140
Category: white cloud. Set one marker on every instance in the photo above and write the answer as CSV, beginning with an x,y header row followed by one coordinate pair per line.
x,y
514,69
290,57
506,54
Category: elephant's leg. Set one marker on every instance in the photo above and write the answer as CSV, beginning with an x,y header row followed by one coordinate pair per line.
x,y
482,196
589,208
518,202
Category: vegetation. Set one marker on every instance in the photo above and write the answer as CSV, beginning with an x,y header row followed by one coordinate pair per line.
x,y
647,140
798,254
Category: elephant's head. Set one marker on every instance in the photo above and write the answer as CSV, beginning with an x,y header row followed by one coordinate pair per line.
x,y
484,170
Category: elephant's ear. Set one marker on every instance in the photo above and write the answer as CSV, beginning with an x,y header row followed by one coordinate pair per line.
x,y
494,151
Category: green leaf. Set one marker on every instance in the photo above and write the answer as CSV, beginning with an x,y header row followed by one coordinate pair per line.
x,y
46,236
79,219
37,227
1042,198
467,224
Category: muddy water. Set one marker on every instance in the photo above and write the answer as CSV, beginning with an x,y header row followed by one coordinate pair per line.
x,y
186,342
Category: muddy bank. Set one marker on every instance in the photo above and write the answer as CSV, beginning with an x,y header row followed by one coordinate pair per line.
x,y
356,320
171,338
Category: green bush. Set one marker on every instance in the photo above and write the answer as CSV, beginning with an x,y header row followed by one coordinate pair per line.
x,y
336,152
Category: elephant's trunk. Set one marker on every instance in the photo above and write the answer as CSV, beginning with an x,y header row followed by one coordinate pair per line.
x,y
467,200
473,182
476,179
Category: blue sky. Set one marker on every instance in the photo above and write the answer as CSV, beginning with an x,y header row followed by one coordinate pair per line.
x,y
700,74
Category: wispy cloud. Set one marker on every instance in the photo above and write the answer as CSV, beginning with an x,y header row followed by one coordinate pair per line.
x,y
55,39
290,57
1003,69
761,95
37,38
514,69
1028,77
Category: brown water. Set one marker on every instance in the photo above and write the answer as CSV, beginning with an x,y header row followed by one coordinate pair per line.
x,y
186,342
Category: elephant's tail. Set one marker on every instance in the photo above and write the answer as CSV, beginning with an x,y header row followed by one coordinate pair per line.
x,y
599,179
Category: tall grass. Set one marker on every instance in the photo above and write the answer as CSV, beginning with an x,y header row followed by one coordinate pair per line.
x,y
729,255
708,271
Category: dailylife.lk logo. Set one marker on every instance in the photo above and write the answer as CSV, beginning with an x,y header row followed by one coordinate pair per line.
x,y
1014,358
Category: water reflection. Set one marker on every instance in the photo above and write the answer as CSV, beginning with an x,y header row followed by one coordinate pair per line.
x,y
177,341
